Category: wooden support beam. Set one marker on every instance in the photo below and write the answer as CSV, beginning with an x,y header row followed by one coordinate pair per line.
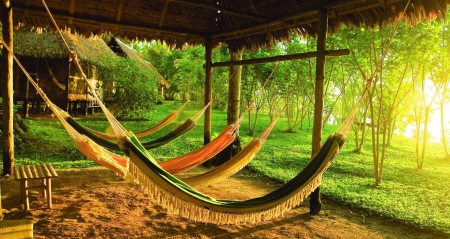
x,y
281,58
208,90
72,7
7,87
163,16
315,204
120,10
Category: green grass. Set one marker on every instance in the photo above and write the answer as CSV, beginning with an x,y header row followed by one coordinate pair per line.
x,y
417,197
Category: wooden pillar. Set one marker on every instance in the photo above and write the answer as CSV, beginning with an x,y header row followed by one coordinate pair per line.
x,y
7,88
26,102
208,90
67,102
315,204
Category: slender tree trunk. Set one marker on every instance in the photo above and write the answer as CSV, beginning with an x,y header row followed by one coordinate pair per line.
x,y
208,90
234,100
7,89
441,108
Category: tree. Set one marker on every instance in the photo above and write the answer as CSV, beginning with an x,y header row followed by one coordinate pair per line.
x,y
130,91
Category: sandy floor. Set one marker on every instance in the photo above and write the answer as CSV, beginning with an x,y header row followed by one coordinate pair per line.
x,y
95,203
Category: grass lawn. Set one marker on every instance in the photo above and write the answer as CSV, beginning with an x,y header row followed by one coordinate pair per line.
x,y
416,197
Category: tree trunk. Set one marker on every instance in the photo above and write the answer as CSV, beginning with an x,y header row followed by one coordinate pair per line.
x,y
208,91
441,109
7,89
233,110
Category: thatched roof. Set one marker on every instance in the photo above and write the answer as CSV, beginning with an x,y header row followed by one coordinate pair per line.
x,y
30,43
239,23
133,54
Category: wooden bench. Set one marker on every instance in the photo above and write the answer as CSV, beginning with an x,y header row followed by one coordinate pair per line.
x,y
43,172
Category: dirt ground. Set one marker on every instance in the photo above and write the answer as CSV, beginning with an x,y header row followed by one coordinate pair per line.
x,y
96,203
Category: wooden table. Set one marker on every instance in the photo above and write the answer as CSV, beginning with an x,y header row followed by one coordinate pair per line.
x,y
43,173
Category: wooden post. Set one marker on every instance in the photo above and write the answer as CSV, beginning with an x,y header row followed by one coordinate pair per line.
x,y
67,87
26,102
7,88
208,90
315,205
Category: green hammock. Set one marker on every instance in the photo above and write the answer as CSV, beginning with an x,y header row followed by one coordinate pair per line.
x,y
182,199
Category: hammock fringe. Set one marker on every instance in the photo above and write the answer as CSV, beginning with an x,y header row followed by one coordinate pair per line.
x,y
198,213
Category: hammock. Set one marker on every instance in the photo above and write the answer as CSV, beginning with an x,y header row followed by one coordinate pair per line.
x,y
180,198
161,124
200,155
59,84
179,131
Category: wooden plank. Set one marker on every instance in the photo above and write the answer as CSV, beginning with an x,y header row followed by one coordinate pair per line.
x,y
22,172
16,229
40,171
51,171
17,174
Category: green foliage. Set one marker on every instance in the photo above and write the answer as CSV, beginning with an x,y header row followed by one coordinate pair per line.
x,y
129,90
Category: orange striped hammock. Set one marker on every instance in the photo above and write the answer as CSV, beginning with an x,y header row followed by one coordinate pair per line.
x,y
119,164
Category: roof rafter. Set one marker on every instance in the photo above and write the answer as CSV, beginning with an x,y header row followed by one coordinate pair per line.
x,y
119,10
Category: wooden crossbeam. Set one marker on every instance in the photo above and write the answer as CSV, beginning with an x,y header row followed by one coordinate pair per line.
x,y
343,52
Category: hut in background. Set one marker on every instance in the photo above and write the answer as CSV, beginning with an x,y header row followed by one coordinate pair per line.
x,y
46,59
121,49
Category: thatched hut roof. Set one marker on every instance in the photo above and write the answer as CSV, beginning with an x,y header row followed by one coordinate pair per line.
x,y
133,54
241,24
30,43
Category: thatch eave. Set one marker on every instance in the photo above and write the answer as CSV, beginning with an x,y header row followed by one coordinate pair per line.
x,y
133,54
38,44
